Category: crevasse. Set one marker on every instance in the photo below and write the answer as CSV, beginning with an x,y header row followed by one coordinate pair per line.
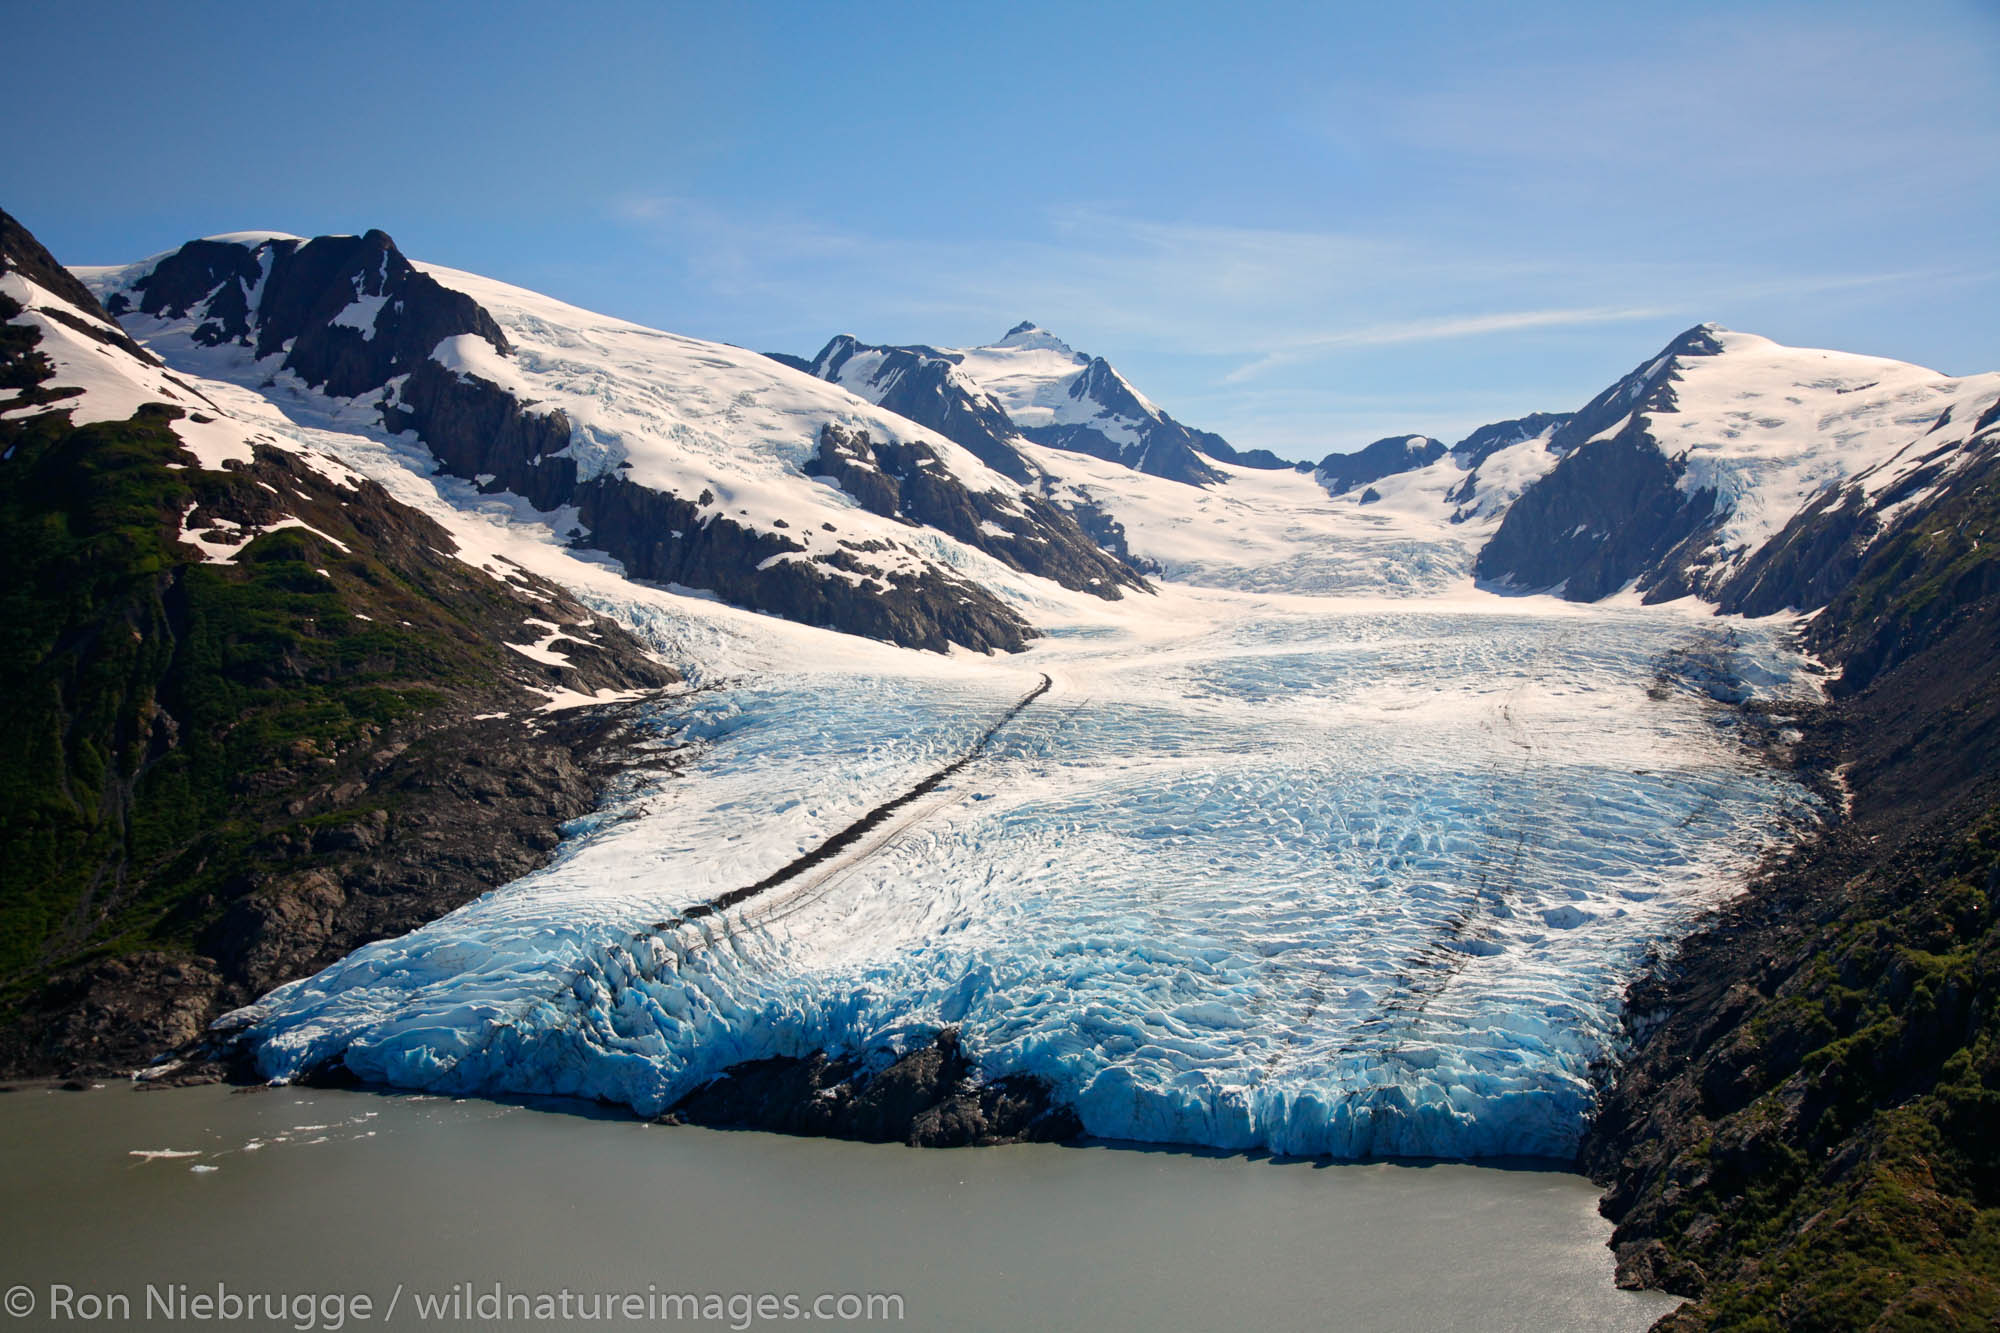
x,y
1350,882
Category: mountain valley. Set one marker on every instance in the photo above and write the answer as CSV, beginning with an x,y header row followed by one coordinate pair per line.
x,y
426,683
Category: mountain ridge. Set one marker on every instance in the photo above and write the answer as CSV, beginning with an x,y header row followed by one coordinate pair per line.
x,y
245,684
351,317
1028,385
1684,476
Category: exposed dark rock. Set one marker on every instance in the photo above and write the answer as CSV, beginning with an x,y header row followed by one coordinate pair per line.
x,y
471,806
1802,1135
218,274
479,431
1488,440
114,1014
1821,551
301,301
918,383
1472,452
1165,448
908,481
1222,451
21,253
930,1097
1809,562
1609,513
1649,1264
1384,458
1929,583
795,362
355,838
216,777
1101,527
1612,513
1648,388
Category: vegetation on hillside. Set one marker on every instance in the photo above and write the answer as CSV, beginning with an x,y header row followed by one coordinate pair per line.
x,y
180,730
1808,1134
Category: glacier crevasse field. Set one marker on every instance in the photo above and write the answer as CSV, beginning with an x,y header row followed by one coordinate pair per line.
x,y
1356,879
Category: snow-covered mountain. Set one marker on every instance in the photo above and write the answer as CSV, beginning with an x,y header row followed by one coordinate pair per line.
x,y
1488,440
900,492
1394,455
1070,400
1727,467
79,390
1674,480
259,708
927,387
1417,527
1385,457
691,463
1029,385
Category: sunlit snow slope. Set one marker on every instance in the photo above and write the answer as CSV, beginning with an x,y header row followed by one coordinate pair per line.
x,y
1281,531
691,463
1673,480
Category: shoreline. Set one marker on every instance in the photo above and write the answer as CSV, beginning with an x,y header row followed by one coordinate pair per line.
x,y
431,1192
1793,1124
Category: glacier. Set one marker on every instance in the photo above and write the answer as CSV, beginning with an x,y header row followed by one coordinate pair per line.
x,y
1317,848
1359,878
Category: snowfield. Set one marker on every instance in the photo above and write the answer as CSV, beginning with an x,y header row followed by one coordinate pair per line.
x,y
1032,374
674,414
1768,427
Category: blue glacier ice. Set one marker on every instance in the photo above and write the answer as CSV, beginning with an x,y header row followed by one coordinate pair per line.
x,y
1362,881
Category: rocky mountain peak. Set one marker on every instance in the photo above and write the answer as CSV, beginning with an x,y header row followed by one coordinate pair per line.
x,y
348,313
1028,336
21,253
1384,458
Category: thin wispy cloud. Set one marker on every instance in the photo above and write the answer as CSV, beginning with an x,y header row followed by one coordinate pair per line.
x,y
1202,290
1535,224
1190,307
1298,207
1438,330
1692,303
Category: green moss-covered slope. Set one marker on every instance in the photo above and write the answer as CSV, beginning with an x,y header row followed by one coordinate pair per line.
x,y
214,774
1808,1133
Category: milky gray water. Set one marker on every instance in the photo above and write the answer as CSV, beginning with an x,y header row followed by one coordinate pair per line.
x,y
352,1195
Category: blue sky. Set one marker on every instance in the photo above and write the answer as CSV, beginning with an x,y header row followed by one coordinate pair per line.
x,y
1303,226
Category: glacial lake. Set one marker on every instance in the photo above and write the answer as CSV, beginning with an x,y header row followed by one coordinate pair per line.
x,y
354,1193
